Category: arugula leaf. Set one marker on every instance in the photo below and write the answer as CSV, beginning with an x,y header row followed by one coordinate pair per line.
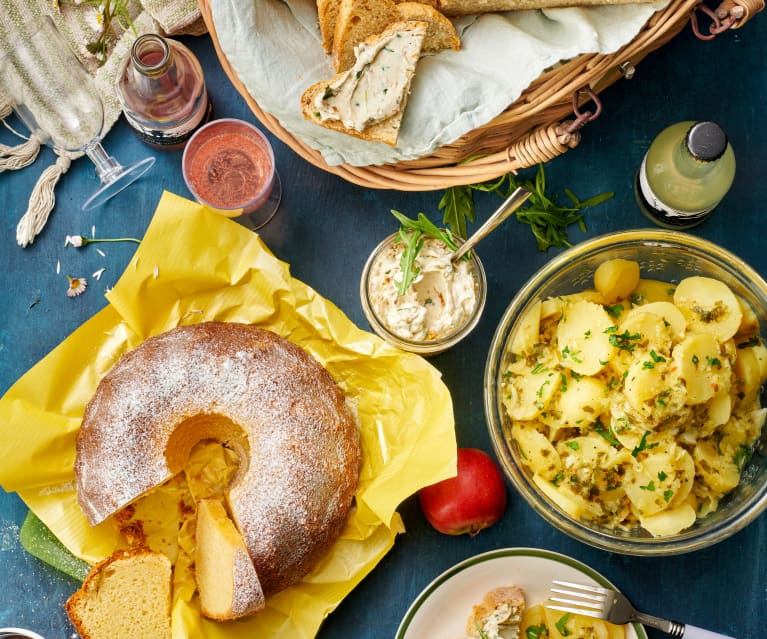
x,y
426,227
413,242
411,234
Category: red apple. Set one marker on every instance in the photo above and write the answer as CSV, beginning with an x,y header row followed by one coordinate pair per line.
x,y
470,501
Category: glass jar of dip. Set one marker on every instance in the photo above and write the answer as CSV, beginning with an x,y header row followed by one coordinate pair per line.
x,y
441,306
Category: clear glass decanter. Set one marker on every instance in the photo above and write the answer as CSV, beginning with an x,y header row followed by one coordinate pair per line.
x,y
162,90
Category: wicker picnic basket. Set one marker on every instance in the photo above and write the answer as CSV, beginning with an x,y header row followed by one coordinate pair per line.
x,y
543,123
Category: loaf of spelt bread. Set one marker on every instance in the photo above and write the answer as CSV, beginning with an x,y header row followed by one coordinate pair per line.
x,y
356,21
468,7
440,32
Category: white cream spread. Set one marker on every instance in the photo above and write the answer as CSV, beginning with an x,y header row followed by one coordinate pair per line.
x,y
374,88
440,300
503,622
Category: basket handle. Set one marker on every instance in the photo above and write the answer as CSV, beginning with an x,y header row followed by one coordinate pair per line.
x,y
552,140
730,14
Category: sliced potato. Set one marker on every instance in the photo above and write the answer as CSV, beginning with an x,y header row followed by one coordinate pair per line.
x,y
709,306
616,279
648,291
582,338
669,522
538,453
702,367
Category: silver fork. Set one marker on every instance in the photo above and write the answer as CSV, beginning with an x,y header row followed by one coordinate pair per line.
x,y
612,606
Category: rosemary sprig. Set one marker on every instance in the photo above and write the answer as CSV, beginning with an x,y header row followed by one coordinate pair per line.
x,y
548,220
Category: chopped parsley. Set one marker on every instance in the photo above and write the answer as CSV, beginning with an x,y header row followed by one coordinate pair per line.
x,y
607,433
615,310
624,341
742,456
643,445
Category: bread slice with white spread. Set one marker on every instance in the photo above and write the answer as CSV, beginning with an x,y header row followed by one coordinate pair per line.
x,y
499,614
368,100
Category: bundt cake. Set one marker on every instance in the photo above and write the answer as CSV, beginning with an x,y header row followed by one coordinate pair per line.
x,y
269,400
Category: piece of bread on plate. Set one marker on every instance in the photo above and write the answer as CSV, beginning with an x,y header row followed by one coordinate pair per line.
x,y
329,103
356,21
440,34
499,614
127,596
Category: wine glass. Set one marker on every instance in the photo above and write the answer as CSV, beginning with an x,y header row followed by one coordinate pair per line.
x,y
56,98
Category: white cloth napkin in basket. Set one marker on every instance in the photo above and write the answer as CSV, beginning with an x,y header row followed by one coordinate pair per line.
x,y
274,47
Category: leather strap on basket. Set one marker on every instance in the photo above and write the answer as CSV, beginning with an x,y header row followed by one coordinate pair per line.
x,y
730,14
549,141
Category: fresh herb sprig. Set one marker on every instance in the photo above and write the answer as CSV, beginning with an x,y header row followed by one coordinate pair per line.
x,y
548,221
411,234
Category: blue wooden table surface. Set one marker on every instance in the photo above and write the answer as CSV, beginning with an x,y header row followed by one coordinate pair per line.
x,y
325,230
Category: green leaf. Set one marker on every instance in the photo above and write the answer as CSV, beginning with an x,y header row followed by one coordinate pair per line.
x,y
457,206
413,241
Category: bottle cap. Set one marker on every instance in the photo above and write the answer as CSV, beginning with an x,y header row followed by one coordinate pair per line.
x,y
706,141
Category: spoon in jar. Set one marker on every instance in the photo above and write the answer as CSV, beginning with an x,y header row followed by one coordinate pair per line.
x,y
511,204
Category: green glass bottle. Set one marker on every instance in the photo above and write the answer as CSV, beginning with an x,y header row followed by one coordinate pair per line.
x,y
686,172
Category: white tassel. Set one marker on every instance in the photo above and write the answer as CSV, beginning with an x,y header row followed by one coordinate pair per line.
x,y
41,202
19,156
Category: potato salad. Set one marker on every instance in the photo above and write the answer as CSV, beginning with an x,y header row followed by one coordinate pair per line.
x,y
637,403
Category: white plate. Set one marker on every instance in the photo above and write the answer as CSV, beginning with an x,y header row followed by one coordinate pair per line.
x,y
444,605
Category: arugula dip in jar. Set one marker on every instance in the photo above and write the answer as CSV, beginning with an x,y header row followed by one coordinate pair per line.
x,y
438,302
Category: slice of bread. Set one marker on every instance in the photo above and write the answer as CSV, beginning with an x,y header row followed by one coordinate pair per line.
x,y
440,34
385,130
127,596
327,13
226,579
498,615
356,21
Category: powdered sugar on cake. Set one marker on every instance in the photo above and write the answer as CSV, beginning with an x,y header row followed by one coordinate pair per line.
x,y
268,399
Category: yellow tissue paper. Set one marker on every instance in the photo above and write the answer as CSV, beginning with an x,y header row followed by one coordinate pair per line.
x,y
194,265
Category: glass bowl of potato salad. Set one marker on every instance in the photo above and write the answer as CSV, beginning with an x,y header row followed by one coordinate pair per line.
x,y
623,392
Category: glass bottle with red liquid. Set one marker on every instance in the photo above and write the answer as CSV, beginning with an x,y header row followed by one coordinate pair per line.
x,y
162,91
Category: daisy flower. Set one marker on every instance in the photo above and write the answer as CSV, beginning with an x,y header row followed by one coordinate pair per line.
x,y
95,18
76,285
80,240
